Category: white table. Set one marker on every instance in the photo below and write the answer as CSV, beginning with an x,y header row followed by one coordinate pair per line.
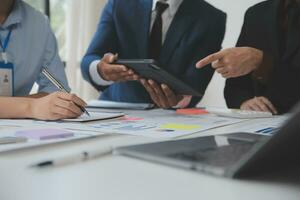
x,y
116,177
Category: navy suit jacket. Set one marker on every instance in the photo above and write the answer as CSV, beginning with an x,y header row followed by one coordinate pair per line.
x,y
197,30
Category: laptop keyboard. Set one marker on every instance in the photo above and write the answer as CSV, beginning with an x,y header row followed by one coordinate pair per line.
x,y
218,156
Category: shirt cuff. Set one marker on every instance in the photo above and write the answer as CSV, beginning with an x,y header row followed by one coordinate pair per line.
x,y
95,76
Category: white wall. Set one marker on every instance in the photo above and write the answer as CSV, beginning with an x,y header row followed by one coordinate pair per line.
x,y
235,10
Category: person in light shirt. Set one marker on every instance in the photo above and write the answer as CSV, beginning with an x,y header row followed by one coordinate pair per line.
x,y
27,45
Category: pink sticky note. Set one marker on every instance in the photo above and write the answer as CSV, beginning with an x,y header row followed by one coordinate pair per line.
x,y
44,134
132,119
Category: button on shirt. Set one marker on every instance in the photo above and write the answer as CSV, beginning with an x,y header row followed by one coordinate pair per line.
x,y
32,46
167,18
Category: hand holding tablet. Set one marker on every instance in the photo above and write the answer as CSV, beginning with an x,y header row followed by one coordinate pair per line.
x,y
165,90
149,70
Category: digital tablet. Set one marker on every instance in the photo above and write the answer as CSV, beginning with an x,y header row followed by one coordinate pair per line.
x,y
149,69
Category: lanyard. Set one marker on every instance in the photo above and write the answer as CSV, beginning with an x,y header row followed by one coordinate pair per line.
x,y
4,43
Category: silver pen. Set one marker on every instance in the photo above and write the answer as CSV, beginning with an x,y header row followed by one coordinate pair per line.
x,y
81,157
55,82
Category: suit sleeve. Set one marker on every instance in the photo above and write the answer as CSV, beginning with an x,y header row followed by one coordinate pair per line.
x,y
104,41
283,89
199,79
238,90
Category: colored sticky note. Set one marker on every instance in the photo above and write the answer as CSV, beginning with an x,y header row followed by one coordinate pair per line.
x,y
191,111
132,119
44,134
182,127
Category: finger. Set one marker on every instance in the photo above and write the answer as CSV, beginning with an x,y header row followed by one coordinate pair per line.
x,y
150,91
131,78
254,106
108,58
261,105
116,57
64,113
217,64
184,102
270,106
128,73
222,70
169,94
209,59
125,77
131,72
226,75
245,107
159,93
116,69
72,97
69,105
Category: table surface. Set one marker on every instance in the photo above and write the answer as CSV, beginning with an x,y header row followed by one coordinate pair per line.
x,y
116,177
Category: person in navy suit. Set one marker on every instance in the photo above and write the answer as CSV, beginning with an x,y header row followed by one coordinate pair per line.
x,y
176,33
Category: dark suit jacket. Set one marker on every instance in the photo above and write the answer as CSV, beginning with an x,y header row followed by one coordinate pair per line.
x,y
261,31
196,31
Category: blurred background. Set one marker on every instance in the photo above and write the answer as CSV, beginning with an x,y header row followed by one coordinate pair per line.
x,y
74,23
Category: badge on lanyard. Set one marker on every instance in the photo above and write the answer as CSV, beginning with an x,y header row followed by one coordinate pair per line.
x,y
6,70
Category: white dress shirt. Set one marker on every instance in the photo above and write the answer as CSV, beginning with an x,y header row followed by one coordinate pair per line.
x,y
167,18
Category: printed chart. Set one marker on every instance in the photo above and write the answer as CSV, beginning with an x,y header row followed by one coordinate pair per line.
x,y
166,124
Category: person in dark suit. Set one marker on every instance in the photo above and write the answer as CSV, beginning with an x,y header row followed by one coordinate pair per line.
x,y
263,71
176,33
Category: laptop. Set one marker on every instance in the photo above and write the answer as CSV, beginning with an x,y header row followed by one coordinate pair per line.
x,y
236,155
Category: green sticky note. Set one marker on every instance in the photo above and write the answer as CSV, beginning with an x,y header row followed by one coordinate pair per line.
x,y
182,127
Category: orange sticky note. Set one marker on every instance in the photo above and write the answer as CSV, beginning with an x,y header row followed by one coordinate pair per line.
x,y
191,111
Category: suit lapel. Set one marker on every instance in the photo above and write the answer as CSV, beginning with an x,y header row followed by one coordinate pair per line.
x,y
143,20
180,24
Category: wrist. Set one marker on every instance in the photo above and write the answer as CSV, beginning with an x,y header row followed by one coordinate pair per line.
x,y
31,107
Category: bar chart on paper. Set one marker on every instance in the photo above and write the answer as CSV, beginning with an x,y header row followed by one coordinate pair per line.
x,y
166,124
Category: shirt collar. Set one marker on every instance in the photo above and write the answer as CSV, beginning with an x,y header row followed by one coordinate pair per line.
x,y
15,17
173,5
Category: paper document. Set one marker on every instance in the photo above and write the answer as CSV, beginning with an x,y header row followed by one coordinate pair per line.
x,y
264,126
118,105
95,116
162,124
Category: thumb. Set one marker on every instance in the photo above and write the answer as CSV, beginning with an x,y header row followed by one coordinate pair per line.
x,y
109,58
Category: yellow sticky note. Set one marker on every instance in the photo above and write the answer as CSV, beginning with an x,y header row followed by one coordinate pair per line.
x,y
182,127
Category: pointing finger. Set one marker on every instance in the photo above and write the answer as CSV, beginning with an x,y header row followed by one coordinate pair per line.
x,y
209,59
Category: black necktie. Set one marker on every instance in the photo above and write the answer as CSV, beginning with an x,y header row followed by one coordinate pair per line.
x,y
155,42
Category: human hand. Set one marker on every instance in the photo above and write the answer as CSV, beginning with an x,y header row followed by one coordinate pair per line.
x,y
161,95
57,106
111,72
234,62
259,104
